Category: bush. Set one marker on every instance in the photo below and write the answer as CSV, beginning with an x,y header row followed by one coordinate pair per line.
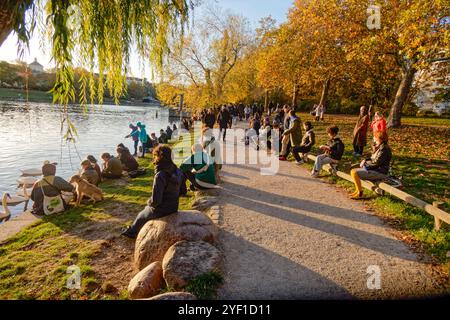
x,y
410,109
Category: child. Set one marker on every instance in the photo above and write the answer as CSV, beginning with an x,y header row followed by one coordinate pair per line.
x,y
333,151
88,173
96,167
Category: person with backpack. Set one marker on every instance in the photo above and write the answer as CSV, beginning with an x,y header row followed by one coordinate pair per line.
x,y
333,151
46,193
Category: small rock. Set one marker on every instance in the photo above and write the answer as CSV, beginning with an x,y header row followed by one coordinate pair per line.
x,y
174,296
186,260
146,283
204,203
159,235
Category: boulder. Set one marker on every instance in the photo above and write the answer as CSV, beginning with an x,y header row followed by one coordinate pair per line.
x,y
186,260
146,283
202,204
174,296
159,235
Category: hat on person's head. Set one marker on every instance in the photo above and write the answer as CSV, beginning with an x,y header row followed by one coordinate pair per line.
x,y
48,169
139,124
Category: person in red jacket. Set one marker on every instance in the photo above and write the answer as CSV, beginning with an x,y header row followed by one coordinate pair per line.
x,y
379,123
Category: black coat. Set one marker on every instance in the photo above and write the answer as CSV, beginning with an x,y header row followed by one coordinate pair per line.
x,y
380,159
209,120
224,119
167,185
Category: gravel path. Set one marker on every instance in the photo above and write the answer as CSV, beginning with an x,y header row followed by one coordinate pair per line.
x,y
289,236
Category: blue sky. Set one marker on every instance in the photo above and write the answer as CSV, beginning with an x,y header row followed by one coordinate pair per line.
x,y
254,10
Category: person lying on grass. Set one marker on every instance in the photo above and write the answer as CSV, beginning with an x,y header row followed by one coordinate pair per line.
x,y
376,167
168,186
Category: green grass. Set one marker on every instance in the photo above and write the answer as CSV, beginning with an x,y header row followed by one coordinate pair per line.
x,y
33,95
204,287
34,262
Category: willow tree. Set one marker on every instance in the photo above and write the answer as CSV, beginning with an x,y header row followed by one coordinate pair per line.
x,y
97,35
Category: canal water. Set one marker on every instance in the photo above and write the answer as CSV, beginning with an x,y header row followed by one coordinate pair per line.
x,y
30,133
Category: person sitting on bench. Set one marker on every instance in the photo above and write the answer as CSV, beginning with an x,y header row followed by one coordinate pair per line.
x,y
333,151
308,141
376,167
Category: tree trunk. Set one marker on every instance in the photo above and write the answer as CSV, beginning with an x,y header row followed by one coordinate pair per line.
x,y
295,97
324,97
266,101
404,88
6,22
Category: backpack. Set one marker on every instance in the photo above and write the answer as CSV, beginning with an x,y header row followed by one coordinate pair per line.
x,y
340,148
53,204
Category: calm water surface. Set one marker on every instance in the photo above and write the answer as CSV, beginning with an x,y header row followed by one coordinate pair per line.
x,y
30,134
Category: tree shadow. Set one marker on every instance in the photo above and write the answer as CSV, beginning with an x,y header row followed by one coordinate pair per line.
x,y
255,273
244,197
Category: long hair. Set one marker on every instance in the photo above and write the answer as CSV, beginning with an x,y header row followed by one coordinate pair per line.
x,y
162,155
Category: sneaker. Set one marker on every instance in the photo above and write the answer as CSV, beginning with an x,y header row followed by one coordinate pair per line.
x,y
298,162
314,174
126,233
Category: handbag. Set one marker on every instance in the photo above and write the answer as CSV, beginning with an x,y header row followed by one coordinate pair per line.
x,y
52,205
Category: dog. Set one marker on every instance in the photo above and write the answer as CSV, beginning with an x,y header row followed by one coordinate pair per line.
x,y
84,188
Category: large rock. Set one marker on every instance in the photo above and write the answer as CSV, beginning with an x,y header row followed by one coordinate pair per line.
x,y
146,283
202,204
186,260
174,296
159,235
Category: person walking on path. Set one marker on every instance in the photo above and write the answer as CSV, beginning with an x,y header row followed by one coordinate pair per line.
x,y
334,151
376,167
224,121
135,136
209,119
360,132
308,141
292,137
143,137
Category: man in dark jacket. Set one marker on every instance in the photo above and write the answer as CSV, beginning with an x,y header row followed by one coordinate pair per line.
x,y
224,121
51,185
308,141
209,119
334,151
167,187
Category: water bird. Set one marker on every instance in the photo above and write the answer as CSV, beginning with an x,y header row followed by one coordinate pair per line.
x,y
31,172
28,181
6,214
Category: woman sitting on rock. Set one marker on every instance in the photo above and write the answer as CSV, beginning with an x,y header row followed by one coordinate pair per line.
x,y
167,188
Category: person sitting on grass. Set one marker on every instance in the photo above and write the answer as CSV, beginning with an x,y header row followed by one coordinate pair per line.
x,y
96,167
199,169
376,167
129,163
168,186
308,141
163,139
333,151
112,167
49,186
88,173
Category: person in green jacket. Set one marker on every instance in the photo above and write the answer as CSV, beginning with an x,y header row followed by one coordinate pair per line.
x,y
294,133
199,169
143,137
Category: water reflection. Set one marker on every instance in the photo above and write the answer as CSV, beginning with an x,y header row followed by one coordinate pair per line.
x,y
30,134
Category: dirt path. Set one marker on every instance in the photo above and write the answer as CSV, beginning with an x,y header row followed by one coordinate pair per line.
x,y
289,236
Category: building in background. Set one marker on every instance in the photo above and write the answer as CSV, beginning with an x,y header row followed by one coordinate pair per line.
x,y
36,67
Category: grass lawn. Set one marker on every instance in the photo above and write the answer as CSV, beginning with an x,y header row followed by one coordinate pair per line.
x,y
33,264
33,95
421,153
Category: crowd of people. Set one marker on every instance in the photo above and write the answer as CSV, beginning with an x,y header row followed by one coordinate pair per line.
x,y
202,167
285,130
